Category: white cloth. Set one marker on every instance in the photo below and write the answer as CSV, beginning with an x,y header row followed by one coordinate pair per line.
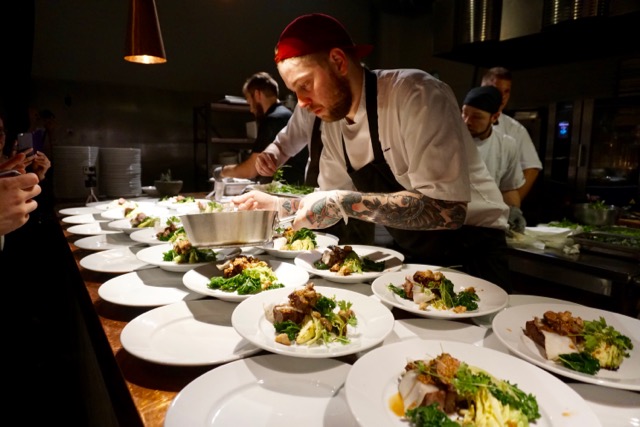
x,y
424,141
529,158
501,154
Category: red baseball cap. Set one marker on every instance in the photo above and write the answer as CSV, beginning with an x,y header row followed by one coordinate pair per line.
x,y
313,33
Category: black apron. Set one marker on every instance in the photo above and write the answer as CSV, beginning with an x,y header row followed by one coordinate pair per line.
x,y
357,232
479,251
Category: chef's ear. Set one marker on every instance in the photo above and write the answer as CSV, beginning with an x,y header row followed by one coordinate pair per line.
x,y
338,59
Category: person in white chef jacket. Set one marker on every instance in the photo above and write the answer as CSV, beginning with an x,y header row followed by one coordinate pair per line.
x,y
395,137
500,152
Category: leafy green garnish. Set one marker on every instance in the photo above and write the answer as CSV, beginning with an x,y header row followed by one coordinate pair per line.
x,y
287,327
429,416
581,362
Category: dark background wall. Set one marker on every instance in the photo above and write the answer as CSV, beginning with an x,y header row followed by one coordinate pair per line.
x,y
77,68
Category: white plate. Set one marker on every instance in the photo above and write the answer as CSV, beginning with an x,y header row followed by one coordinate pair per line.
x,y
492,297
146,288
125,226
373,381
614,408
274,247
508,326
153,255
265,391
92,229
197,279
392,258
450,330
375,322
147,236
517,299
80,210
121,260
86,218
149,208
103,242
186,333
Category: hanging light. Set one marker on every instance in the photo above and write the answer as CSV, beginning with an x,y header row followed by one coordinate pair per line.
x,y
144,40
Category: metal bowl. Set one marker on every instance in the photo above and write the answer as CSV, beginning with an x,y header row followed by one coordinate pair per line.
x,y
587,213
230,229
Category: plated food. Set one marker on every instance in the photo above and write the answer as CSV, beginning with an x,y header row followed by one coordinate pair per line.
x,y
579,344
253,319
444,387
442,300
199,280
292,243
510,328
308,318
360,264
165,257
372,385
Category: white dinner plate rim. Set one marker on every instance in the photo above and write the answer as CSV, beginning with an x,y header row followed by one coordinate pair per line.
x,y
97,242
306,259
119,260
79,210
374,391
249,320
197,281
379,288
138,335
619,403
512,336
129,289
91,229
82,219
221,383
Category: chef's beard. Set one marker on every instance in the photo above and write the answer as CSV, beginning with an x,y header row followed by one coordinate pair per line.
x,y
343,96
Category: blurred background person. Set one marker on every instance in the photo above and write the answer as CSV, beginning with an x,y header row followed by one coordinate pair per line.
x,y
501,78
500,152
261,92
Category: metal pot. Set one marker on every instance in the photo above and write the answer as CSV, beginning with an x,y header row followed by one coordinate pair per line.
x,y
230,229
590,214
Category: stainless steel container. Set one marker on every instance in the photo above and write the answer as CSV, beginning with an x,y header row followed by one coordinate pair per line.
x,y
230,229
587,214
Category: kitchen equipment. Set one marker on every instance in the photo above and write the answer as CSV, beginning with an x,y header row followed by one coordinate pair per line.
x,y
591,214
230,229
616,240
229,186
168,188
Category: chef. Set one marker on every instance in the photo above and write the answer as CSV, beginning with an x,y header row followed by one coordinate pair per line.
x,y
395,140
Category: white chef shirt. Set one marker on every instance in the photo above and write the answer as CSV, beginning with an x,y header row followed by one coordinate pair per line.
x,y
529,158
295,135
501,154
424,141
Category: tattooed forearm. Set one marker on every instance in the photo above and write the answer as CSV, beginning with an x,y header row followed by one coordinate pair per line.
x,y
407,210
288,206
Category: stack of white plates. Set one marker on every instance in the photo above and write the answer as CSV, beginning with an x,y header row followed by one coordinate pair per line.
x,y
68,172
119,172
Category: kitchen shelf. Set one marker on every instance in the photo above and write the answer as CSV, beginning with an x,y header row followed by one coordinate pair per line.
x,y
217,127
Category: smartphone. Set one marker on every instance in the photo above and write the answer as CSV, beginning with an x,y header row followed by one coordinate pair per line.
x,y
25,142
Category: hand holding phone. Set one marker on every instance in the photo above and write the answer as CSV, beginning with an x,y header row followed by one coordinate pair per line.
x,y
25,143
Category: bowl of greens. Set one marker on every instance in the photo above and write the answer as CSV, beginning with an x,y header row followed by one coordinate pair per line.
x,y
596,213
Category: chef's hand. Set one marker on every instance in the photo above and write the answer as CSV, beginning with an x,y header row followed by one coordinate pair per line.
x,y
266,164
517,222
320,209
254,200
